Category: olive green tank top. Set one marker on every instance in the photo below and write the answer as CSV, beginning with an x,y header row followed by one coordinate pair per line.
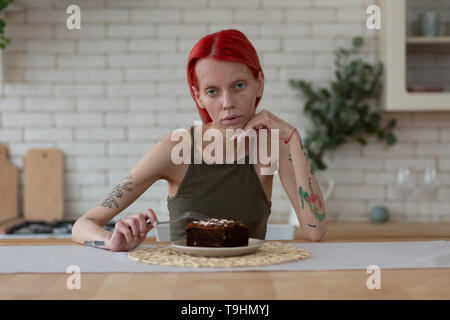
x,y
229,191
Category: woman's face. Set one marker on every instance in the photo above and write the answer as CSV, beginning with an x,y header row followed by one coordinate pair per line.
x,y
228,91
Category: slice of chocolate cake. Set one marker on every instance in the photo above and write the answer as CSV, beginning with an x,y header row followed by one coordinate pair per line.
x,y
216,233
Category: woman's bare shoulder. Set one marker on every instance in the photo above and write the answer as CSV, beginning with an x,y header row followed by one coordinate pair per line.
x,y
178,137
165,154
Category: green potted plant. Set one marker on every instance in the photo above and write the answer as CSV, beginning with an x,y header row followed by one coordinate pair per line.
x,y
4,41
342,112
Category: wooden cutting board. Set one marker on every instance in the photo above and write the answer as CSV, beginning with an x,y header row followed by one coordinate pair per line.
x,y
43,197
9,187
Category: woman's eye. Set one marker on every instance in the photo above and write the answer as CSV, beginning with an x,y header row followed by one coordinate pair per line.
x,y
240,84
211,92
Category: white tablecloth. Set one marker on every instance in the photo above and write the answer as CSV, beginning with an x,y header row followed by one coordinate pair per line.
x,y
324,256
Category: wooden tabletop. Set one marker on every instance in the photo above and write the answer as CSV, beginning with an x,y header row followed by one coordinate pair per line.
x,y
272,285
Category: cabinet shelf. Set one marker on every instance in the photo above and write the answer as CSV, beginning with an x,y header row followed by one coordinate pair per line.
x,y
428,40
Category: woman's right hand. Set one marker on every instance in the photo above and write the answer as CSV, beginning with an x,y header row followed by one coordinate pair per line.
x,y
131,231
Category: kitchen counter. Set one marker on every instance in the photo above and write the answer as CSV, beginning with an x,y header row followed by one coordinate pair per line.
x,y
348,284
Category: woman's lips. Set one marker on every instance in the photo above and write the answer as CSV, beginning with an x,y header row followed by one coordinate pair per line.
x,y
232,120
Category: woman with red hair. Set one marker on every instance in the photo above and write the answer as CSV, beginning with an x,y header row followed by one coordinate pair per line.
x,y
226,82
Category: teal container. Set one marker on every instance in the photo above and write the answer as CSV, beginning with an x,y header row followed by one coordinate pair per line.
x,y
379,214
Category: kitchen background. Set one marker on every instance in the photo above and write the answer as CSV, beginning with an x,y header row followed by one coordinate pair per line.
x,y
105,94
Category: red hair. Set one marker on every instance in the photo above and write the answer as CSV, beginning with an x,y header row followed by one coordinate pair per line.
x,y
227,45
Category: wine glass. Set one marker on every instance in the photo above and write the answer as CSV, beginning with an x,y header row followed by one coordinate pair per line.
x,y
430,183
405,182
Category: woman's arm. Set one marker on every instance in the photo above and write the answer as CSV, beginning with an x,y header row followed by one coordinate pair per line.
x,y
306,196
295,173
130,231
88,229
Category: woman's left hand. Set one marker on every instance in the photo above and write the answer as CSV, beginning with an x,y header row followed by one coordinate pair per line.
x,y
265,119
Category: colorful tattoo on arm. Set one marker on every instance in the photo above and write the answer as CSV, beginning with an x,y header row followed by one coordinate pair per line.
x,y
117,193
313,201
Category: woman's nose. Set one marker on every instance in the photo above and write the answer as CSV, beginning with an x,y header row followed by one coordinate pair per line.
x,y
227,100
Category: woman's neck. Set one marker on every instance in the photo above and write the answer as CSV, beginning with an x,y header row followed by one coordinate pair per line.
x,y
236,156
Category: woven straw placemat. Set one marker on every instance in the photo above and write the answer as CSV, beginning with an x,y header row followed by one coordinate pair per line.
x,y
269,253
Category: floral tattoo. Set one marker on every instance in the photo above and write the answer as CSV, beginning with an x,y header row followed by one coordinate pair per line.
x,y
313,202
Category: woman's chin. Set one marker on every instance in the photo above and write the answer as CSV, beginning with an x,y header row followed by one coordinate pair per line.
x,y
233,126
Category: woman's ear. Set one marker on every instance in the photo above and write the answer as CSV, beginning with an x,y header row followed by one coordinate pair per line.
x,y
260,84
197,97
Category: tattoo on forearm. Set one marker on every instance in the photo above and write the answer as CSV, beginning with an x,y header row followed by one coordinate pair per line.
x,y
117,192
95,243
313,201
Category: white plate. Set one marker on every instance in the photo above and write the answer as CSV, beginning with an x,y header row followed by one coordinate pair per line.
x,y
253,244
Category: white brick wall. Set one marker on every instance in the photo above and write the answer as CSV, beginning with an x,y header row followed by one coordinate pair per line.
x,y
106,93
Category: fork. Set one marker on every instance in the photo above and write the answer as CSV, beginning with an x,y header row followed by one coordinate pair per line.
x,y
186,215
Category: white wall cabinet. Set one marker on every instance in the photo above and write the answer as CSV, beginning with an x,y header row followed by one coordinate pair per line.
x,y
416,67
